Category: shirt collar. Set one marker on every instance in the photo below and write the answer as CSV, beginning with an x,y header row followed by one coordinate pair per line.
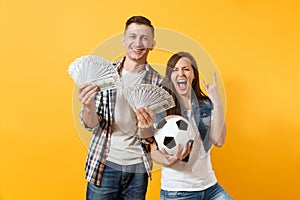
x,y
195,105
120,64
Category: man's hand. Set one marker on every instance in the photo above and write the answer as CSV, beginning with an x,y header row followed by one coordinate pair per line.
x,y
86,95
146,117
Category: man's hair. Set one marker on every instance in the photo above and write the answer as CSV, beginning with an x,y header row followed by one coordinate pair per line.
x,y
139,20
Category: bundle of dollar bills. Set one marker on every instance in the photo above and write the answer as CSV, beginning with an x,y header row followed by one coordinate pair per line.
x,y
148,95
96,70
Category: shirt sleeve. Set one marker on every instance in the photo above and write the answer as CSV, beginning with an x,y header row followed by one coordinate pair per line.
x,y
84,124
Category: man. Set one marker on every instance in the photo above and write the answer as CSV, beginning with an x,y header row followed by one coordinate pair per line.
x,y
118,162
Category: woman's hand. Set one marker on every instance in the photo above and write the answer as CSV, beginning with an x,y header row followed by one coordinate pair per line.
x,y
212,90
166,159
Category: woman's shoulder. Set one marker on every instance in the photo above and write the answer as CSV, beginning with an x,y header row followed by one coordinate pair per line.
x,y
205,103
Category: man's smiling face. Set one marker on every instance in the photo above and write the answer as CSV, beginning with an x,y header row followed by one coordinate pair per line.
x,y
138,41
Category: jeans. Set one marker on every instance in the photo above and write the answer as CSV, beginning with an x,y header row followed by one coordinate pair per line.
x,y
120,183
215,192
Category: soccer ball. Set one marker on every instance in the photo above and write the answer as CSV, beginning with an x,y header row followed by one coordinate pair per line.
x,y
171,131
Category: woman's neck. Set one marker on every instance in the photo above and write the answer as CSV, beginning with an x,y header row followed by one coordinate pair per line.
x,y
186,101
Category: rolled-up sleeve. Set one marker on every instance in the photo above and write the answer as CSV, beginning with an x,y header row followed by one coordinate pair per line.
x,y
86,126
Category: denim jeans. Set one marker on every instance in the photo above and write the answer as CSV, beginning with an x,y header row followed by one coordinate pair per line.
x,y
215,192
120,183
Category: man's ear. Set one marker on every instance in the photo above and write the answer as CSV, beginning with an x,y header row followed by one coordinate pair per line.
x,y
152,45
123,40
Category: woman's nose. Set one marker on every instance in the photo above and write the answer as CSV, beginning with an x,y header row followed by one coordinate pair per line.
x,y
180,72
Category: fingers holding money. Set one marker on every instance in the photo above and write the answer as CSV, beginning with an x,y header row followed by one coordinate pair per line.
x,y
146,117
87,93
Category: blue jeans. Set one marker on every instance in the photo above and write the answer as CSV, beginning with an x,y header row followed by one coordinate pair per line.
x,y
215,192
120,183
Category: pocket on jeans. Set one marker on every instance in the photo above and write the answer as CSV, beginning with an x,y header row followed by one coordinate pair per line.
x,y
111,177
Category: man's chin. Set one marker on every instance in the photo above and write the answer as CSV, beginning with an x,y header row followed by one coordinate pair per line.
x,y
136,57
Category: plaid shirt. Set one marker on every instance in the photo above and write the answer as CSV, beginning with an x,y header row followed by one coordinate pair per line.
x,y
101,138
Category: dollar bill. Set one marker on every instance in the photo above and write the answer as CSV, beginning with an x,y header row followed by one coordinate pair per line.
x,y
163,105
106,84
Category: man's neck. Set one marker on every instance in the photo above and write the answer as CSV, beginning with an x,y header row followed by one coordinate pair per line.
x,y
133,66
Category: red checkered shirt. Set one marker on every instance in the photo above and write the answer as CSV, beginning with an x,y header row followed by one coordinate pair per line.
x,y
101,138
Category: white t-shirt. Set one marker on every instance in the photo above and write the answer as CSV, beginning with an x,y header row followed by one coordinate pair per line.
x,y
196,174
125,147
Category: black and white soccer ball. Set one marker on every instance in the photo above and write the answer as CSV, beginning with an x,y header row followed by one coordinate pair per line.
x,y
171,131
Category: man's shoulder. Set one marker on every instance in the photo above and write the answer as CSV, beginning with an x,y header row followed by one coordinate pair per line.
x,y
153,77
116,63
154,72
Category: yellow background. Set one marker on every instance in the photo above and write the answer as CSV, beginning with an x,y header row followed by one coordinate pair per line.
x,y
255,45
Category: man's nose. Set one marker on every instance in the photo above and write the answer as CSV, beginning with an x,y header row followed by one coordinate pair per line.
x,y
138,42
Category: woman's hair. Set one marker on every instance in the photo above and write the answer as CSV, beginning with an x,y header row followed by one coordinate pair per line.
x,y
196,90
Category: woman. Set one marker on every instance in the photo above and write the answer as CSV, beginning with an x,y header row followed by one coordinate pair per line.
x,y
192,178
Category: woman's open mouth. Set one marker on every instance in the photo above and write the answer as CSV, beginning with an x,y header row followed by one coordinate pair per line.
x,y
182,84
